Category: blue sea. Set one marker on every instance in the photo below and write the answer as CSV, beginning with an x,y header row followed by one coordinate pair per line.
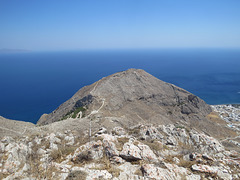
x,y
33,83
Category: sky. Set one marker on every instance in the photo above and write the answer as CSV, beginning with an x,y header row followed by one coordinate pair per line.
x,y
119,24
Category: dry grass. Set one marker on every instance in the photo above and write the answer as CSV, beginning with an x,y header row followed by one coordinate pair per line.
x,y
36,169
185,148
121,142
134,131
214,117
185,163
182,162
107,165
62,151
83,157
154,145
77,175
138,172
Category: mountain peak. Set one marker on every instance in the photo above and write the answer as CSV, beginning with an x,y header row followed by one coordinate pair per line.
x,y
132,96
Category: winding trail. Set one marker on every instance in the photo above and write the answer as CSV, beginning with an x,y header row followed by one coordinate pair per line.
x,y
94,88
96,111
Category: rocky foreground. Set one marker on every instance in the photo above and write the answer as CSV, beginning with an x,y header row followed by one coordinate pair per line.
x,y
142,152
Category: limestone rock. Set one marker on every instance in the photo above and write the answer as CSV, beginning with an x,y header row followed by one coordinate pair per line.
x,y
151,171
146,152
204,169
130,152
110,148
91,150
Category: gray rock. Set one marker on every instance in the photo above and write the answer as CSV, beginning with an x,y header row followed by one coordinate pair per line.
x,y
138,94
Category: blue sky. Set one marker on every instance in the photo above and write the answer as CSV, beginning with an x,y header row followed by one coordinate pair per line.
x,y
107,24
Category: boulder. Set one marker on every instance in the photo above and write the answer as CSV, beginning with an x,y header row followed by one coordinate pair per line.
x,y
171,173
89,151
110,148
146,152
130,152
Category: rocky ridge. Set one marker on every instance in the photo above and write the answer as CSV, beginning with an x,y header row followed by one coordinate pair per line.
x,y
141,152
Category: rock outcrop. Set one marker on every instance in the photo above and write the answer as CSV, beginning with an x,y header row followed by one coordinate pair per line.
x,y
144,152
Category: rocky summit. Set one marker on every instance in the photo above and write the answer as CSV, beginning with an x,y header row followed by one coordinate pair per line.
x,y
135,95
129,125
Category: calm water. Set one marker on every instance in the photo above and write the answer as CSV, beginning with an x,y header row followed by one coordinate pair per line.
x,y
35,83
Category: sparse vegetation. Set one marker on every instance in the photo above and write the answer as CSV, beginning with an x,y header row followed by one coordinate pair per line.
x,y
138,172
121,142
62,151
84,156
75,113
133,131
154,145
77,175
185,163
107,165
77,110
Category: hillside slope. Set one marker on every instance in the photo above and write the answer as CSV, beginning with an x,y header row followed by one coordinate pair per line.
x,y
134,96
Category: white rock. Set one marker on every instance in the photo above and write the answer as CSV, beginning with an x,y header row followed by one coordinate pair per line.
x,y
110,148
53,139
204,168
146,152
117,159
70,140
41,151
130,152
224,175
102,130
94,148
127,171
53,146
119,131
193,177
96,174
2,147
26,167
176,160
150,171
38,140
7,139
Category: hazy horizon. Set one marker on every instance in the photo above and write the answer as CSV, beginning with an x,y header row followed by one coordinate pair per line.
x,y
59,25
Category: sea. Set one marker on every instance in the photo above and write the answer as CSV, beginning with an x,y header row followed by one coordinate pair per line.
x,y
33,83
